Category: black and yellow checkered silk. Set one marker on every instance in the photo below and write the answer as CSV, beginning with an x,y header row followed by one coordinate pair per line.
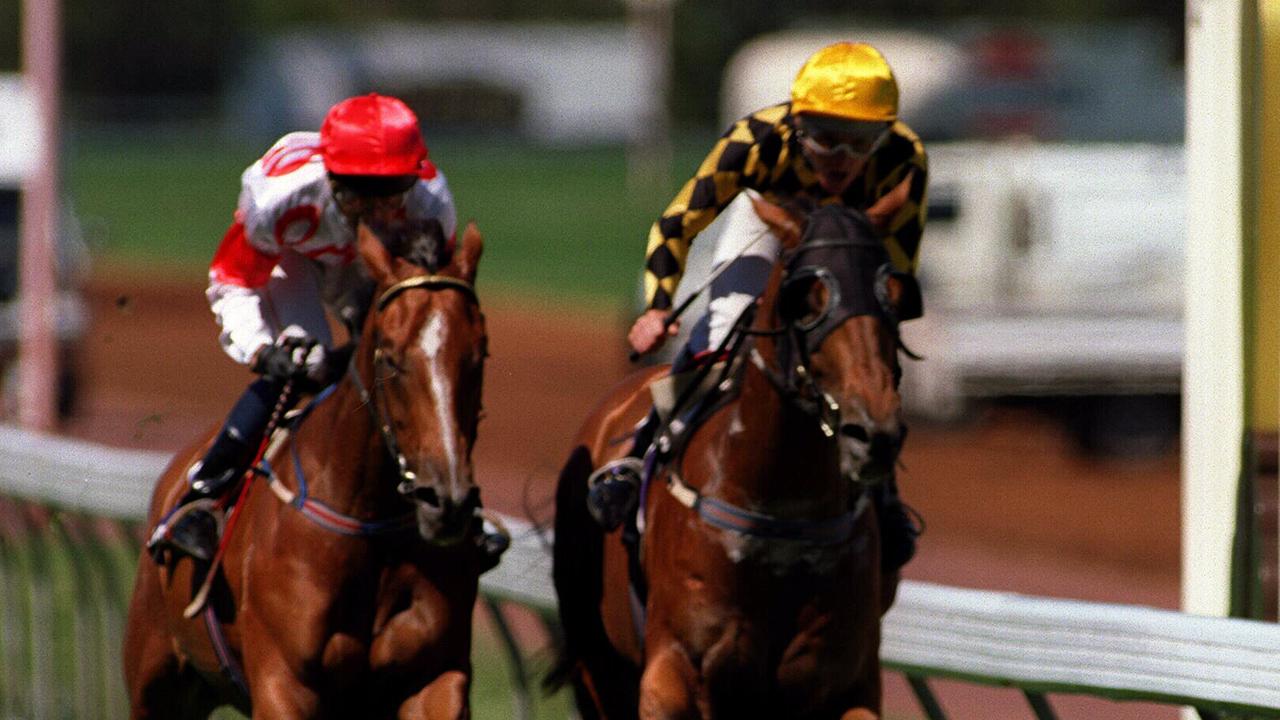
x,y
761,153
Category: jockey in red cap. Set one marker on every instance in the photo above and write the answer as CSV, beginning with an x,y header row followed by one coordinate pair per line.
x,y
289,255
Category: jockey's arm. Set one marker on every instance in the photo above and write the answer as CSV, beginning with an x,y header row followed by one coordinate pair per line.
x,y
899,216
238,270
734,164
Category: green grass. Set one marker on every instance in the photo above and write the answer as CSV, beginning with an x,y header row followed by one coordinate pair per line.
x,y
558,222
63,594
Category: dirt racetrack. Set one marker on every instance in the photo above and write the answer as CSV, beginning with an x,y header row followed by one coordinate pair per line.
x,y
1010,504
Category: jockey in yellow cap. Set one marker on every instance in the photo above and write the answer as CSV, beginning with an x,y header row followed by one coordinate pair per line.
x,y
838,140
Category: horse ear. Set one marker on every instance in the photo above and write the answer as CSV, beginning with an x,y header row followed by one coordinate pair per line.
x,y
780,221
376,256
467,257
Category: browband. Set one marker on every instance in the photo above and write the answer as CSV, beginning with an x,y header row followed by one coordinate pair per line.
x,y
428,282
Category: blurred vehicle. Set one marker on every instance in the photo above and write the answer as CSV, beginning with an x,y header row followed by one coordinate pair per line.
x,y
1053,271
16,142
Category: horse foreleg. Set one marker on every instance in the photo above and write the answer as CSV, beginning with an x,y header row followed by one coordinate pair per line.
x,y
667,687
445,698
888,590
279,695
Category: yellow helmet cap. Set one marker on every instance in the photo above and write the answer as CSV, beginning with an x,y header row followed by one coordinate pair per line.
x,y
847,80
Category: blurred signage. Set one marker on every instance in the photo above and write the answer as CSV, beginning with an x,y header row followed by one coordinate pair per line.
x,y
19,130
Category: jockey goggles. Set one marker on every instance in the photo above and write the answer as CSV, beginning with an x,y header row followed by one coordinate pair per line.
x,y
372,194
828,138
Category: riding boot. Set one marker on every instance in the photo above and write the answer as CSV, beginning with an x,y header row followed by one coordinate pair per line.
x,y
898,531
194,532
613,490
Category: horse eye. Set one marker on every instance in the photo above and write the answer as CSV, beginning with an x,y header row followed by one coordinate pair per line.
x,y
793,303
389,362
804,301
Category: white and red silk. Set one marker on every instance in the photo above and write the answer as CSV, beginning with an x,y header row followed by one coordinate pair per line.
x,y
286,207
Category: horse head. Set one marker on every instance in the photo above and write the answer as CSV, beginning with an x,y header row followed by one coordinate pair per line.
x,y
424,346
840,300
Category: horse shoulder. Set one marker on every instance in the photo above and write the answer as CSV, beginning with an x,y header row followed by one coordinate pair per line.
x,y
607,429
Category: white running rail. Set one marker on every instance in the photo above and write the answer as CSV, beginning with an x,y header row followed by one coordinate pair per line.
x,y
1039,645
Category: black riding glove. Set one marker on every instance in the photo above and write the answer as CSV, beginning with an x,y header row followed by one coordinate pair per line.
x,y
293,357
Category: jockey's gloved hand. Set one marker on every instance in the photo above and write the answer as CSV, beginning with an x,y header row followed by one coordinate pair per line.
x,y
293,356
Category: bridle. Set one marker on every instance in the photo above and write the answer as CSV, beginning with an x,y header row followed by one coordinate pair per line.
x,y
795,383
427,282
793,379
407,485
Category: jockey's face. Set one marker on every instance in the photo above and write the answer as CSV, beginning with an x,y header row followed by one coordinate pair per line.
x,y
837,150
380,200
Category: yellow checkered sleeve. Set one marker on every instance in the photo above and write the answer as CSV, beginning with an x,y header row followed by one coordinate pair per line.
x,y
742,158
759,152
903,161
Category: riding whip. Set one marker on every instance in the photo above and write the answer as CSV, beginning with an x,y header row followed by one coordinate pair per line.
x,y
679,309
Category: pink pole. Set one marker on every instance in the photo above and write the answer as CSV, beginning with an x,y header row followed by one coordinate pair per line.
x,y
38,291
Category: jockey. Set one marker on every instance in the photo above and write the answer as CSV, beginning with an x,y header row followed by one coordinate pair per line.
x,y
288,256
838,140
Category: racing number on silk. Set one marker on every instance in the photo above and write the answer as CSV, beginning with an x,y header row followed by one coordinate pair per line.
x,y
300,223
297,225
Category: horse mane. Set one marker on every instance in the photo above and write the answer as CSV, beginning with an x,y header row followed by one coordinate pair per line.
x,y
419,242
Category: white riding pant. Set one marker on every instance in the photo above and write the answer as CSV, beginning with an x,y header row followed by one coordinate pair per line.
x,y
749,249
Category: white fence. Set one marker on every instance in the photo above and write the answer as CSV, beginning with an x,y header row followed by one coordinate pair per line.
x,y
1038,645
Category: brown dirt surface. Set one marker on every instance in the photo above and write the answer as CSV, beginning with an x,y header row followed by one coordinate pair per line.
x,y
1010,503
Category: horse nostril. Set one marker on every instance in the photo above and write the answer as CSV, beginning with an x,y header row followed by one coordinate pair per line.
x,y
427,494
884,449
472,500
854,431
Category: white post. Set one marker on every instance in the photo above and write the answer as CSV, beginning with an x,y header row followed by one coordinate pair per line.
x,y
38,291
1213,365
649,155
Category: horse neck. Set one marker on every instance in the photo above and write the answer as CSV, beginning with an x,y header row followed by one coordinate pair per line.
x,y
356,479
778,455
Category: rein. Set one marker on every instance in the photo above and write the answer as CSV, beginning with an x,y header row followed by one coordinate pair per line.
x,y
727,516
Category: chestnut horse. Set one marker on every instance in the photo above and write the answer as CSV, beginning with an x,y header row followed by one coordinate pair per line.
x,y
347,586
755,589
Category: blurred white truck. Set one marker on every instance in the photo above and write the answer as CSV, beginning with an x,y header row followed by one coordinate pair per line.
x,y
1049,270
18,140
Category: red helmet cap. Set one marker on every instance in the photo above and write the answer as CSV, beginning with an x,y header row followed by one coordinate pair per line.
x,y
372,135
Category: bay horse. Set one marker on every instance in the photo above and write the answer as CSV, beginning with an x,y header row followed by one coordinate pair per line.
x,y
755,587
347,587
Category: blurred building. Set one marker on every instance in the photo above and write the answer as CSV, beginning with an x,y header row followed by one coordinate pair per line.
x,y
594,82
